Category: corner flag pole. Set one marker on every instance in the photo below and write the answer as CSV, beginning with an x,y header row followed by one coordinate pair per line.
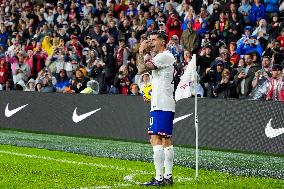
x,y
196,120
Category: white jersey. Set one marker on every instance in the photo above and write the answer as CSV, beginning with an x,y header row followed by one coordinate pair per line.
x,y
162,82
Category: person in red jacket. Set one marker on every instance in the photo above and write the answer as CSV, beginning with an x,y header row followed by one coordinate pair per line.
x,y
275,89
173,26
234,57
3,72
281,38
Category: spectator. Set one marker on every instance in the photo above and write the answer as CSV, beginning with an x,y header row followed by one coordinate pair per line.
x,y
275,89
21,70
98,73
272,7
206,39
3,36
175,48
223,88
134,90
203,62
235,28
261,80
173,26
3,72
30,86
257,12
46,45
261,30
224,57
38,86
234,57
247,34
122,80
9,85
79,83
244,9
39,59
214,76
171,8
189,39
222,26
20,86
121,53
131,10
280,38
144,80
62,81
92,88
132,41
72,60
243,79
249,45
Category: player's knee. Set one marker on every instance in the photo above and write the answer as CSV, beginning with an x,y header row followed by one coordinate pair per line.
x,y
167,142
155,140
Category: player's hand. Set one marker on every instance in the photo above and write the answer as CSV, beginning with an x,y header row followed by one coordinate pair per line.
x,y
143,46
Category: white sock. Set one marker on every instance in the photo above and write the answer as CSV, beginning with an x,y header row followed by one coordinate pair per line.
x,y
169,161
159,157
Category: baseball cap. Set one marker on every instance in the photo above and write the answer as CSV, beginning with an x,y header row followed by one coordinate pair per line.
x,y
208,45
248,28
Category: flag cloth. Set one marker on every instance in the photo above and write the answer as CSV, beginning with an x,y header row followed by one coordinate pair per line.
x,y
186,86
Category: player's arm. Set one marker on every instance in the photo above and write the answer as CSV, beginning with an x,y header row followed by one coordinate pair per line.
x,y
141,65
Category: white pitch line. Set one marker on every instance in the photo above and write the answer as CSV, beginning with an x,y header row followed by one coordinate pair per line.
x,y
102,187
69,161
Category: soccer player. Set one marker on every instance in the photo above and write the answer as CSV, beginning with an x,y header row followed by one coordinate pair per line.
x,y
162,105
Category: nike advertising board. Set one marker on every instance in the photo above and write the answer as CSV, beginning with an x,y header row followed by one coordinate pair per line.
x,y
242,125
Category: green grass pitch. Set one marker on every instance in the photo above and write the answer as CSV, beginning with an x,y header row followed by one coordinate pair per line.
x,y
69,162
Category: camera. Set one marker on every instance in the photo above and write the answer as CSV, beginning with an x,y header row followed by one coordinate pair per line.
x,y
120,72
211,74
251,41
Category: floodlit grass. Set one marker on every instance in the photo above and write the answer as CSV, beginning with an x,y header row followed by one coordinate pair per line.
x,y
97,163
39,168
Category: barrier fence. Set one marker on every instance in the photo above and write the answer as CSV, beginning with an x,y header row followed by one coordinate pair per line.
x,y
243,125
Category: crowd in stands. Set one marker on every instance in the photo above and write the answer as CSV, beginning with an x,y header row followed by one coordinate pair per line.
x,y
91,46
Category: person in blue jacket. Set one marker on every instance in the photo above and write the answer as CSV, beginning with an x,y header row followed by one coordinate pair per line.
x,y
257,12
249,45
272,7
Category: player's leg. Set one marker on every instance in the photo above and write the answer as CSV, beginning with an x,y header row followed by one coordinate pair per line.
x,y
159,158
169,160
158,149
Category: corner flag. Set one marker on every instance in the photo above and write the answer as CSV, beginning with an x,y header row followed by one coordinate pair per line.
x,y
187,87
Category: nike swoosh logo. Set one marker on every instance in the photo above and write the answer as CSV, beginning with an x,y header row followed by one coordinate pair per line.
x,y
77,118
181,118
9,113
272,133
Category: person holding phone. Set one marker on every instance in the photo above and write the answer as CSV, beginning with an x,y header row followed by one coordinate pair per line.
x,y
248,45
243,79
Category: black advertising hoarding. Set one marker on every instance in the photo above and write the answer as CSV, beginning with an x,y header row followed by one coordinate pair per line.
x,y
252,126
